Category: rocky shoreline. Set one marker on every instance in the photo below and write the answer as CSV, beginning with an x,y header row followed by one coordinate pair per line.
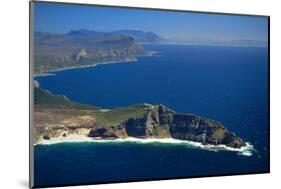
x,y
143,121
245,150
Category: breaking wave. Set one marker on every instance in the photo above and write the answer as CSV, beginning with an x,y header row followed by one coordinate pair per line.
x,y
245,150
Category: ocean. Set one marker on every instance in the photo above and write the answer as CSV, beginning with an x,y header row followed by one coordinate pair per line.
x,y
228,84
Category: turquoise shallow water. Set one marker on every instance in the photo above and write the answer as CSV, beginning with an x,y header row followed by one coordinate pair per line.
x,y
228,84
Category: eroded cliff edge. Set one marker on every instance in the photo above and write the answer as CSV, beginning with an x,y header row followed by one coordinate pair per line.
x,y
57,116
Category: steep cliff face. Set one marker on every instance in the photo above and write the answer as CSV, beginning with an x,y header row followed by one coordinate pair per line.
x,y
206,131
154,123
161,122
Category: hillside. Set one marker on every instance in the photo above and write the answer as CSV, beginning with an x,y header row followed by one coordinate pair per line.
x,y
80,48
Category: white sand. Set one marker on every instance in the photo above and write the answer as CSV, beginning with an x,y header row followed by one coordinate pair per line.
x,y
69,138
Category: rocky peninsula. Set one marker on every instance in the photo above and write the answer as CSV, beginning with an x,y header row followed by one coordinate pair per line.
x,y
58,117
54,52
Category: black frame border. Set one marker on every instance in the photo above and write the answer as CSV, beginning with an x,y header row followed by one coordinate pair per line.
x,y
31,54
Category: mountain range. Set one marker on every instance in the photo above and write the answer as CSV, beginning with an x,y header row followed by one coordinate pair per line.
x,y
138,35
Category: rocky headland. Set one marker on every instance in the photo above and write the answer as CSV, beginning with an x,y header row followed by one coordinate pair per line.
x,y
58,117
82,48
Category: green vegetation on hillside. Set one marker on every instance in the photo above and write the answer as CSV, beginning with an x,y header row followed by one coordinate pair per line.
x,y
118,115
63,105
46,98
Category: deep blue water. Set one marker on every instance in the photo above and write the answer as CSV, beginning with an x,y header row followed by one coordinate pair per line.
x,y
229,84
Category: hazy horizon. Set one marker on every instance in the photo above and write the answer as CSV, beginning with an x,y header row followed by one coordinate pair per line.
x,y
179,26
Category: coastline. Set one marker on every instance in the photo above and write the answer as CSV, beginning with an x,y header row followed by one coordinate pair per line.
x,y
50,73
245,150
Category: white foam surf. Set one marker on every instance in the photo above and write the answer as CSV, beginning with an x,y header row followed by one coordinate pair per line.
x,y
245,150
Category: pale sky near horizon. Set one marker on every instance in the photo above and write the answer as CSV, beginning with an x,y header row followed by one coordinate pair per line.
x,y
61,18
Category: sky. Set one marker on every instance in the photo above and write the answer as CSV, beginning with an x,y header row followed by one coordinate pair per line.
x,y
62,18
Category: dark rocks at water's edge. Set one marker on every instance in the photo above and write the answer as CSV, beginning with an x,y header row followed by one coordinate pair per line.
x,y
110,132
161,122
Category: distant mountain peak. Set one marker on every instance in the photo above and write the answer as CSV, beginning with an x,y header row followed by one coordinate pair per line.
x,y
139,35
84,32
